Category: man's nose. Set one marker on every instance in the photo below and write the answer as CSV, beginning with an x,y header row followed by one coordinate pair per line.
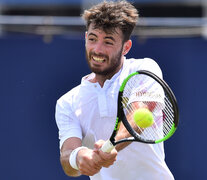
x,y
99,48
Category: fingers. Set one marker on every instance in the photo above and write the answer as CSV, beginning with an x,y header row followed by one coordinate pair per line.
x,y
106,159
98,144
91,161
87,161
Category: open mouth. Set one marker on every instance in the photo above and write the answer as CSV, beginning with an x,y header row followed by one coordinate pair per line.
x,y
98,59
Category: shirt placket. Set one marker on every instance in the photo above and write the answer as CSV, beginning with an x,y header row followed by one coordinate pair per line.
x,y
102,103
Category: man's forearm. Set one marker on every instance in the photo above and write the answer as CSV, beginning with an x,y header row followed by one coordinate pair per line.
x,y
64,159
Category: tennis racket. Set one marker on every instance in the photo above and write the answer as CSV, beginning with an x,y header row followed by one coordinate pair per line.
x,y
145,89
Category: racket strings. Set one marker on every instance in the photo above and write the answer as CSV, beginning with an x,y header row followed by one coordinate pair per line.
x,y
168,116
154,132
163,112
129,111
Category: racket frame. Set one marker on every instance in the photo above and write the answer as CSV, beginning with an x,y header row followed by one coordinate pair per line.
x,y
172,100
121,117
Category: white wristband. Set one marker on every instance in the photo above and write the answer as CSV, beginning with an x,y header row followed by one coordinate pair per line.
x,y
72,158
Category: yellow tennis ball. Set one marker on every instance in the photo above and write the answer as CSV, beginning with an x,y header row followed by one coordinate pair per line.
x,y
143,117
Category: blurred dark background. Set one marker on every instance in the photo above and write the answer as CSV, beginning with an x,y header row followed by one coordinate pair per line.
x,y
42,56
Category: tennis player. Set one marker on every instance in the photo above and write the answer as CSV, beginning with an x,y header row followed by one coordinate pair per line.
x,y
86,114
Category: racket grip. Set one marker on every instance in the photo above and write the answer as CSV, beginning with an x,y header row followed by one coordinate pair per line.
x,y
107,146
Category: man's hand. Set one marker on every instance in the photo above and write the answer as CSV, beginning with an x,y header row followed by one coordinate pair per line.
x,y
107,159
89,162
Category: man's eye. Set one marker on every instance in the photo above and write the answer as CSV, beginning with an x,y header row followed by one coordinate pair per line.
x,y
110,43
91,39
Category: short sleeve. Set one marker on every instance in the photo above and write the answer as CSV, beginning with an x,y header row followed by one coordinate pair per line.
x,y
67,122
147,64
147,89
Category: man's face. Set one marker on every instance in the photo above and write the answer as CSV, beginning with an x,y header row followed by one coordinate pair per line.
x,y
104,51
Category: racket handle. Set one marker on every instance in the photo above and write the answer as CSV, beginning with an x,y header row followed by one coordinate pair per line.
x,y
107,146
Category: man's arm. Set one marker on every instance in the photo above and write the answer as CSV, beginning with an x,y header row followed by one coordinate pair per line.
x,y
88,161
68,146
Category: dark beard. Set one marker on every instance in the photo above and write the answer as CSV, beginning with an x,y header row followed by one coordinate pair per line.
x,y
110,71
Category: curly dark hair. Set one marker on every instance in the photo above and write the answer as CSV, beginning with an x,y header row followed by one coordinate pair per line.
x,y
110,15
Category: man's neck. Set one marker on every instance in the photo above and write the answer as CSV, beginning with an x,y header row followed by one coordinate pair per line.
x,y
98,78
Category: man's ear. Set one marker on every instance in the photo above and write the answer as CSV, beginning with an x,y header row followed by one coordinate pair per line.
x,y
127,46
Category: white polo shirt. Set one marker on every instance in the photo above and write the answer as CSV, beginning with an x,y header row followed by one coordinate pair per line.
x,y
89,111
